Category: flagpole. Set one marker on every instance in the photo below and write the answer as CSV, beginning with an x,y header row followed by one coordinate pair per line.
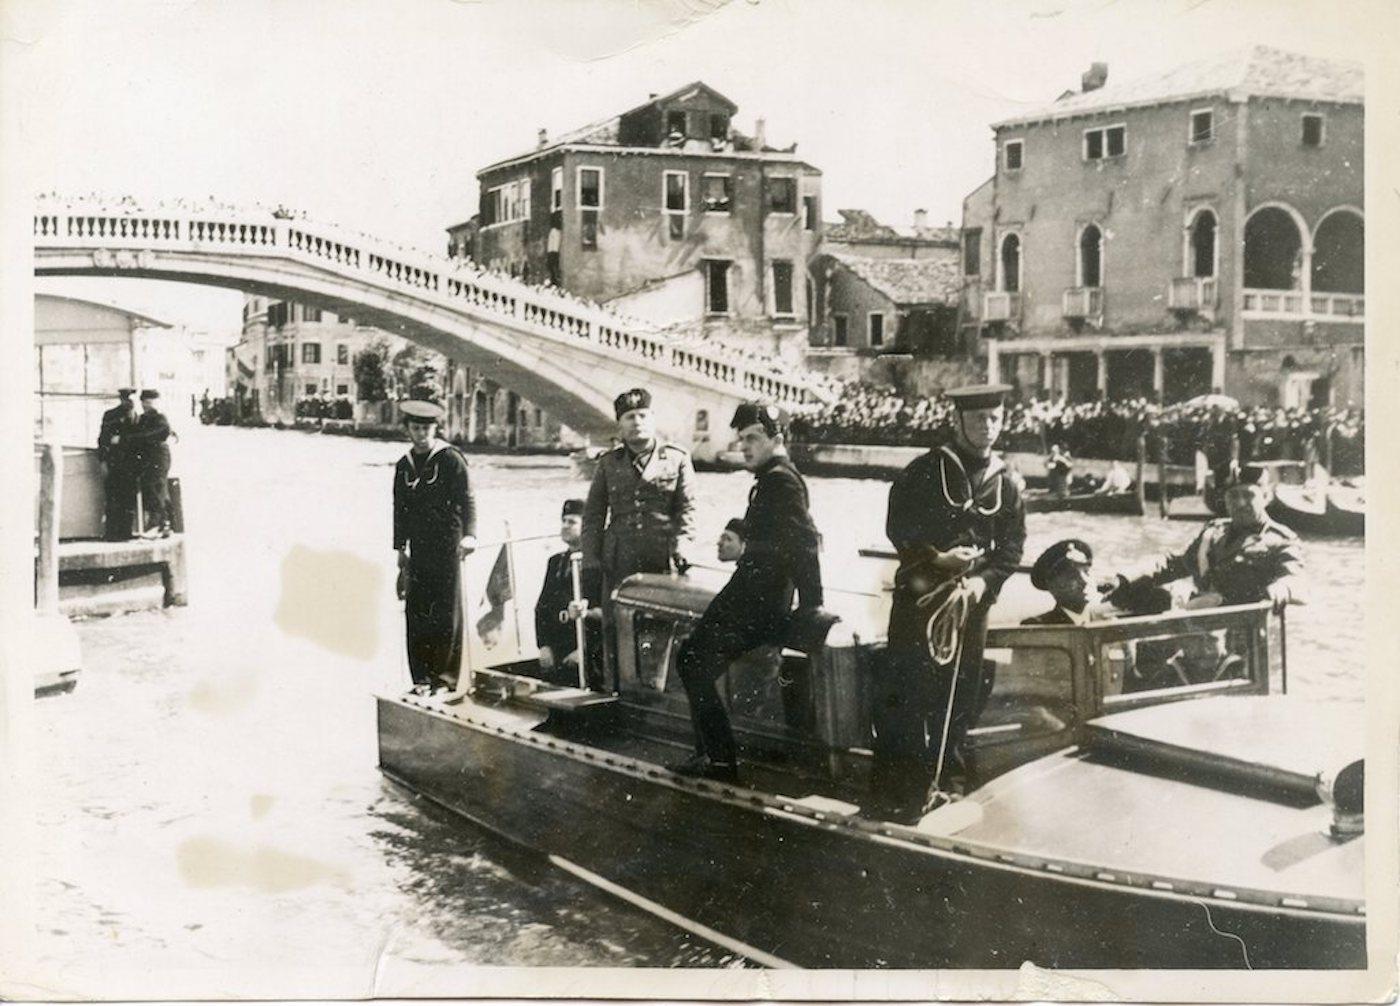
x,y
510,573
576,575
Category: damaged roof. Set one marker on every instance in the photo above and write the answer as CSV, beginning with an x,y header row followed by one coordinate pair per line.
x,y
933,280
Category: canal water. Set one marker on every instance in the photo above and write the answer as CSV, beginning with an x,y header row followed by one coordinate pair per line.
x,y
208,801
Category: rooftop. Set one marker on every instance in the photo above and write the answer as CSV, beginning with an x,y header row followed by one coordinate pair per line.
x,y
1257,71
935,280
861,226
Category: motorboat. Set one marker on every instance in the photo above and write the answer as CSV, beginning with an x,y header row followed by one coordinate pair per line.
x,y
1147,797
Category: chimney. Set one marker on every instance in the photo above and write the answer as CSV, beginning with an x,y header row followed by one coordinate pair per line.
x,y
760,134
651,96
544,138
920,220
1094,78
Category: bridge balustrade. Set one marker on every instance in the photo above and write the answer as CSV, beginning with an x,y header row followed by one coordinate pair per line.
x,y
541,310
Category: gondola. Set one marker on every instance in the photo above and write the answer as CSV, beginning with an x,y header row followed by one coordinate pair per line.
x,y
1346,509
1140,785
1319,510
1039,501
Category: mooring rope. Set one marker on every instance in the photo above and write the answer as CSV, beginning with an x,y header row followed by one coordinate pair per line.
x,y
947,623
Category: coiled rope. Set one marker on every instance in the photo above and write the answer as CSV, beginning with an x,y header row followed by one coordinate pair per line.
x,y
947,622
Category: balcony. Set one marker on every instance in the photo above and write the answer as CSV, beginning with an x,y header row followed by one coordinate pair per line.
x,y
1306,306
1083,303
1001,306
1193,294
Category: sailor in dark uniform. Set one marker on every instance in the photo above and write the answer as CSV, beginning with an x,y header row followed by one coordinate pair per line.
x,y
1063,571
150,439
957,522
434,530
755,607
117,452
555,611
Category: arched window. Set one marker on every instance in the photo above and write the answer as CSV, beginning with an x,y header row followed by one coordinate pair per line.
x,y
1273,251
1011,263
1339,253
1200,251
1091,256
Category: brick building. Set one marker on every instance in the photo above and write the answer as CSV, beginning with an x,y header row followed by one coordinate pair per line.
x,y
1198,229
665,211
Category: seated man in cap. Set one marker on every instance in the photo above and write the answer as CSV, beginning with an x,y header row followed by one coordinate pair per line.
x,y
640,513
557,610
116,450
150,440
730,547
755,607
434,529
1063,571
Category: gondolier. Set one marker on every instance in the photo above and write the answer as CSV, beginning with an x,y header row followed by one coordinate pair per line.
x,y
116,450
434,529
755,607
958,525
640,512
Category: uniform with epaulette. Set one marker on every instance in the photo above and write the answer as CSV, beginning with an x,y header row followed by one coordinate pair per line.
x,y
948,499
1238,563
434,515
116,450
754,608
640,508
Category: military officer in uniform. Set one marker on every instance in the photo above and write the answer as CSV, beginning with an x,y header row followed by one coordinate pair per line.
x,y
150,439
640,512
1063,571
434,530
957,522
755,607
556,611
116,451
1238,559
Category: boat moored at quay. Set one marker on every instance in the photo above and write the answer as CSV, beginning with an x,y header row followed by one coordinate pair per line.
x,y
1146,797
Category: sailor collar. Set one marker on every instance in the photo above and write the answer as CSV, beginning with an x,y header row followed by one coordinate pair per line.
x,y
995,466
435,447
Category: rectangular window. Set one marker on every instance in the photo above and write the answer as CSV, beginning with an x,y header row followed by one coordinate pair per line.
x,y
1108,141
811,300
972,251
716,286
1012,153
782,195
809,213
1312,130
310,352
719,127
838,330
342,389
718,193
556,189
1202,125
676,193
312,314
590,202
782,288
877,329
311,387
675,123
342,354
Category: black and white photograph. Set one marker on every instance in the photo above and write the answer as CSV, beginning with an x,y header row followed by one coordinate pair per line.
x,y
701,499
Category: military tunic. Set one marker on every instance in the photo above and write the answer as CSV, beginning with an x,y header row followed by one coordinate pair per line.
x,y
116,449
433,511
1238,563
941,500
639,508
780,557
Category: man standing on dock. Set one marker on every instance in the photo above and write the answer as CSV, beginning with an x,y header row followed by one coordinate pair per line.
x,y
116,451
150,437
755,607
957,522
434,530
640,513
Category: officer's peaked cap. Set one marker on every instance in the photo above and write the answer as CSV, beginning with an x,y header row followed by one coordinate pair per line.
x,y
1070,551
637,398
572,508
978,396
149,394
423,411
773,419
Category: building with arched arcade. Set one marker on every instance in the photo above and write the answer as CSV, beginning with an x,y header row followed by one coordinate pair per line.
x,y
1199,229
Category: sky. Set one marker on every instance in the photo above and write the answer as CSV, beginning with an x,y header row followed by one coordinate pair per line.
x,y
376,114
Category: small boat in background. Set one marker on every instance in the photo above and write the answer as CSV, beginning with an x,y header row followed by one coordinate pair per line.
x,y
1346,508
1038,501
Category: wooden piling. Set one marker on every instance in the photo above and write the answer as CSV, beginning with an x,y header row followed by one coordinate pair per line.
x,y
1163,503
1142,474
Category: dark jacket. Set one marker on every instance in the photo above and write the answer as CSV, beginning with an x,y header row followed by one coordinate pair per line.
x,y
780,532
555,594
1240,565
148,439
934,504
1055,616
433,503
117,422
639,508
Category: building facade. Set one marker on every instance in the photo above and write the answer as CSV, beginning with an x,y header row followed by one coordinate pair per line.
x,y
1199,230
666,212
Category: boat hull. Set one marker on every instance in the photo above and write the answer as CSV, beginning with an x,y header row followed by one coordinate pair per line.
x,y
820,889
1120,503
1314,513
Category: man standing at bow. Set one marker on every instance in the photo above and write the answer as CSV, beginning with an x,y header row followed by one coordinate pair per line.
x,y
958,525
434,530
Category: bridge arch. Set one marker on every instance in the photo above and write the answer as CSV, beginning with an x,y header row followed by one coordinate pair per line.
x,y
569,357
